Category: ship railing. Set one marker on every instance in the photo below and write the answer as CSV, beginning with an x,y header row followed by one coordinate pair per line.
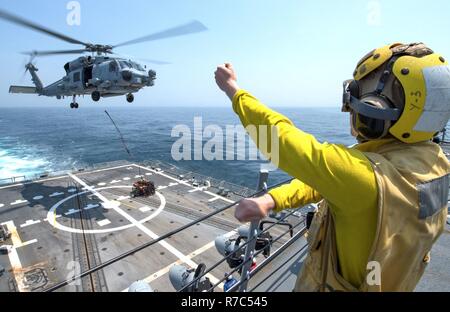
x,y
49,174
176,172
299,229
12,180
169,169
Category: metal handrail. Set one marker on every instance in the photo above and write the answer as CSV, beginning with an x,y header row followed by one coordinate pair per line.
x,y
13,179
257,254
261,266
238,249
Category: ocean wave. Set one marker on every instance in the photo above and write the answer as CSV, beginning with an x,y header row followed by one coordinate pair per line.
x,y
14,165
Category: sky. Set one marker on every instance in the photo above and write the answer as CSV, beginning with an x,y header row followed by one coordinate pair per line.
x,y
285,52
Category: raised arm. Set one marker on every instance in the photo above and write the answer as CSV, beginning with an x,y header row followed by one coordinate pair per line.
x,y
339,174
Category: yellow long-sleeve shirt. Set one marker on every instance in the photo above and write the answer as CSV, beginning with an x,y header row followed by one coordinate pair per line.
x,y
341,175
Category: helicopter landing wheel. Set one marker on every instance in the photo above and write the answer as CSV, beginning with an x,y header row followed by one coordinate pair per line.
x,y
75,105
72,105
130,98
95,96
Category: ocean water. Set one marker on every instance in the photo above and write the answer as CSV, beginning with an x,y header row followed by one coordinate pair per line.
x,y
42,139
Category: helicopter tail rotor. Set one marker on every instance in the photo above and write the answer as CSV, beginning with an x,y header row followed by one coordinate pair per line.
x,y
27,64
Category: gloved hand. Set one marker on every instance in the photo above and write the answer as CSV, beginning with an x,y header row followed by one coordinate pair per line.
x,y
226,79
254,209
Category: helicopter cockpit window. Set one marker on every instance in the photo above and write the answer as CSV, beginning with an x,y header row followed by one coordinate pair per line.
x,y
125,64
66,68
137,66
112,66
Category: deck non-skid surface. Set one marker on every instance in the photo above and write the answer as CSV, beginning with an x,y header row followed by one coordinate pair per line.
x,y
63,226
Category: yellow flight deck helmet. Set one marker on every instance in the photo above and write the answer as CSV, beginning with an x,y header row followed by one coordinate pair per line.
x,y
400,89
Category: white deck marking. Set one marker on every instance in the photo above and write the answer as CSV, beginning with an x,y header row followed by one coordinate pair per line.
x,y
114,181
29,242
194,190
101,184
137,176
2,205
56,194
220,197
144,229
91,206
145,209
72,190
184,183
56,217
173,184
30,222
13,256
38,197
15,238
126,179
19,201
52,212
161,187
110,204
165,270
17,270
148,174
103,222
71,212
213,199
122,198
130,168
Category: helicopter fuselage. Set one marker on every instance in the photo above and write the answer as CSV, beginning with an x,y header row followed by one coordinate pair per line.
x,y
98,76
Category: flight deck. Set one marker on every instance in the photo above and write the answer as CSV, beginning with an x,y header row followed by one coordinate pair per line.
x,y
63,225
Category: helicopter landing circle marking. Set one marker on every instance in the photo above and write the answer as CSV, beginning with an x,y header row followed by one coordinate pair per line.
x,y
51,215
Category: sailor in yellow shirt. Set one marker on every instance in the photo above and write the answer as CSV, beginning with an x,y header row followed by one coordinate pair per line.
x,y
343,176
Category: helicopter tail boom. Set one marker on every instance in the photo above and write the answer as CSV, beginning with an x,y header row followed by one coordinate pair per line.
x,y
34,77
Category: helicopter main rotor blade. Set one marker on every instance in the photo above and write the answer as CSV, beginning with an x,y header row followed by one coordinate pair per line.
x,y
189,28
23,22
56,52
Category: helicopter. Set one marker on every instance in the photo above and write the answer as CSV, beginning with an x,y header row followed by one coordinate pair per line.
x,y
102,74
